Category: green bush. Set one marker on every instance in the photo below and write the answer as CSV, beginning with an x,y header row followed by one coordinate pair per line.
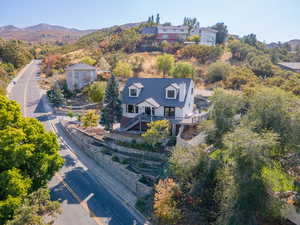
x,y
115,158
184,70
217,71
201,52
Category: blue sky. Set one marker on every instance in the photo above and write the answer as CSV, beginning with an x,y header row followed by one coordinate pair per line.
x,y
271,20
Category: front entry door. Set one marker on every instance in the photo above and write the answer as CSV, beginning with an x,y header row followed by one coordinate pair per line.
x,y
148,110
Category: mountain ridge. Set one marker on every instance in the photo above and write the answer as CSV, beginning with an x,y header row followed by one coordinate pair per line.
x,y
43,33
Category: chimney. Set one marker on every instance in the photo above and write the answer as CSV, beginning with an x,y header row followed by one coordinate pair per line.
x,y
182,92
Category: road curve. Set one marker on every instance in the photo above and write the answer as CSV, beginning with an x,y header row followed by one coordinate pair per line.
x,y
85,201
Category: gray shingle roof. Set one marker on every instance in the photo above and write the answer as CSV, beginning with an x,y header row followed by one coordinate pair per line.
x,y
155,88
80,66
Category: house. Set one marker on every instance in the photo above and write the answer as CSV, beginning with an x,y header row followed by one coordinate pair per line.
x,y
207,36
292,66
149,30
172,33
80,75
167,33
149,99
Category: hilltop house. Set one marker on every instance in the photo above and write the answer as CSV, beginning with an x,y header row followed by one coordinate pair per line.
x,y
80,75
292,66
180,33
167,33
149,99
207,35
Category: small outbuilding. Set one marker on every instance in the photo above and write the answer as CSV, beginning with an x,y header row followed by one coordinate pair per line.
x,y
80,75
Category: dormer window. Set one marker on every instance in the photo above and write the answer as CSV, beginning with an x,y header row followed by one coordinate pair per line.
x,y
133,92
171,94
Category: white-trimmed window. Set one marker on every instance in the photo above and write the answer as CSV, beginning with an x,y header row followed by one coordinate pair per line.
x,y
133,92
132,109
171,94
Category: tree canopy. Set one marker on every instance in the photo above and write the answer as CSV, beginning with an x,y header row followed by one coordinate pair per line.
x,y
184,70
112,111
222,32
165,63
123,69
29,157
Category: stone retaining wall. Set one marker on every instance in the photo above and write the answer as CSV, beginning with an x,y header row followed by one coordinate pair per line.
x,y
119,171
135,151
122,138
194,142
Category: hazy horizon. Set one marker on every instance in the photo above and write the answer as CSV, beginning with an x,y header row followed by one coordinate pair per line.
x,y
271,20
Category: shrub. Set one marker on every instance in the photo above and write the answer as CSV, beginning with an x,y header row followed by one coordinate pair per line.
x,y
70,114
88,60
96,91
123,69
201,52
217,71
194,38
90,118
238,77
184,70
157,131
115,158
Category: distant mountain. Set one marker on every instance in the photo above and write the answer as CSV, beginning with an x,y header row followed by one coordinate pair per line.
x,y
43,33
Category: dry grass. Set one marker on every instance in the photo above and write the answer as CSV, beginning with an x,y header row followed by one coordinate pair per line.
x,y
48,83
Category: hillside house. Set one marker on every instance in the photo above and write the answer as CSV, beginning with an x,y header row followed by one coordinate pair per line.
x,y
207,35
150,99
167,33
80,75
292,66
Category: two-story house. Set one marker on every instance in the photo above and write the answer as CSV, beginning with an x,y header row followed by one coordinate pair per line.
x,y
149,99
80,75
207,35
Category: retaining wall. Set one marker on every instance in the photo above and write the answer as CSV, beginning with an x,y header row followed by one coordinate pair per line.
x,y
122,138
119,171
194,142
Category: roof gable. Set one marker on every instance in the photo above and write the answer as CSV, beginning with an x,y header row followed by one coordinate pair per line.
x,y
154,88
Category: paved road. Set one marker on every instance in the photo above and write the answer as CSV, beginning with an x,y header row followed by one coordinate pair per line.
x,y
85,201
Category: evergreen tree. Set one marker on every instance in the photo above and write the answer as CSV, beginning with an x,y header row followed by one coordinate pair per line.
x,y
56,97
157,18
112,111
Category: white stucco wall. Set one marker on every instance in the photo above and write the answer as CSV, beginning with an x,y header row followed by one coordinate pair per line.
x,y
80,78
207,38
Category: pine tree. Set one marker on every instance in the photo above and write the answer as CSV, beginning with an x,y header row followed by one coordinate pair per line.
x,y
112,111
56,97
157,18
